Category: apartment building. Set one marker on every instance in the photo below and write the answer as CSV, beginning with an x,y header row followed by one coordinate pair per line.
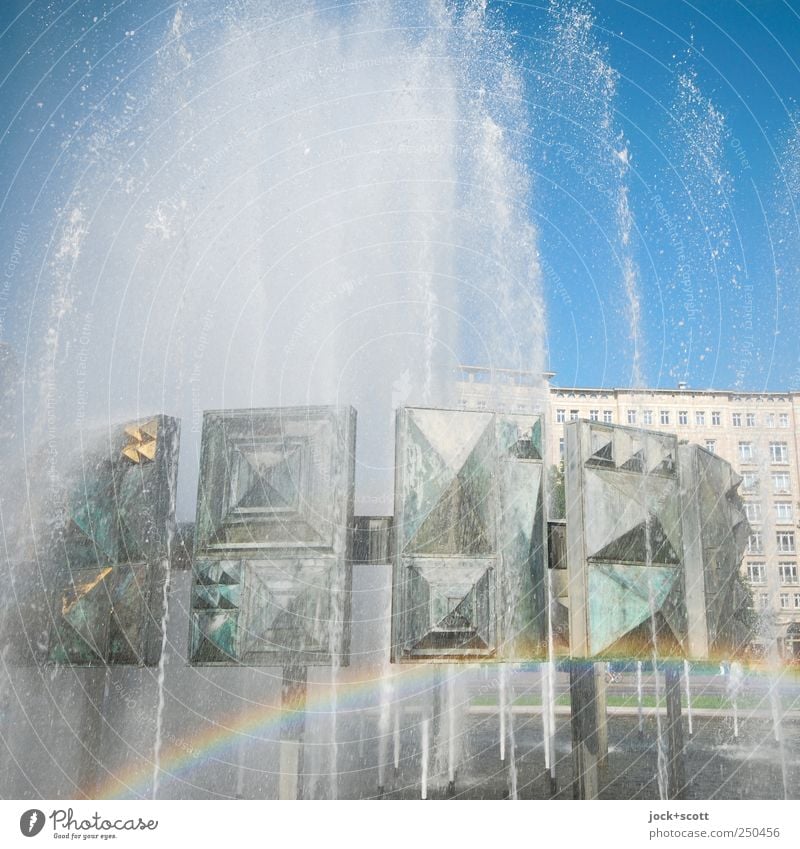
x,y
757,432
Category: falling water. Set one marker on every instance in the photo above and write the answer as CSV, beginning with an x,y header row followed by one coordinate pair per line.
x,y
425,745
639,709
362,734
777,710
688,685
161,673
544,675
549,701
734,688
501,698
661,743
451,725
289,198
512,743
397,737
162,660
334,733
384,721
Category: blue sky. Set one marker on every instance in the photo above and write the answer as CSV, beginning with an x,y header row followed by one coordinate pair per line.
x,y
708,174
730,324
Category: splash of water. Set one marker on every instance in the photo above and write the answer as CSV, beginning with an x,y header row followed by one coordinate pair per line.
x,y
702,227
285,211
594,157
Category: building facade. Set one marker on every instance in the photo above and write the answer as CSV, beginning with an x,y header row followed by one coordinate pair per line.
x,y
756,432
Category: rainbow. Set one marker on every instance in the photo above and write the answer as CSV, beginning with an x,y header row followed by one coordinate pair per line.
x,y
218,738
355,690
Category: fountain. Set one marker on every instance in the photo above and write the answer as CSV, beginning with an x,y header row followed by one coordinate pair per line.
x,y
316,206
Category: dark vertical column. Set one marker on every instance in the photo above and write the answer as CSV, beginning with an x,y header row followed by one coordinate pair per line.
x,y
583,707
676,773
293,726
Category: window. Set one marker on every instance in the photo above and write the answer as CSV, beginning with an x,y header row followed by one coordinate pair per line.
x,y
683,417
754,543
700,418
778,452
797,601
647,415
561,447
716,418
783,511
750,481
711,445
736,419
769,419
780,481
463,402
763,600
755,573
520,408
746,452
561,415
631,416
783,420
751,419
573,415
594,415
788,573
665,417
753,511
785,542
784,601
608,416
481,405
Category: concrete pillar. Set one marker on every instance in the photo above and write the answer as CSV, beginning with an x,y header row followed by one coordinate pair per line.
x,y
583,709
293,725
676,773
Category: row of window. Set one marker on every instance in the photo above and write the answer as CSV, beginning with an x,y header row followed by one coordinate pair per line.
x,y
780,482
787,572
786,602
784,542
769,419
783,511
778,452
594,416
683,417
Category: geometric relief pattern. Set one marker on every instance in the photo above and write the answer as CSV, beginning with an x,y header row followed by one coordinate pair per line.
x,y
624,540
467,510
717,540
273,537
112,546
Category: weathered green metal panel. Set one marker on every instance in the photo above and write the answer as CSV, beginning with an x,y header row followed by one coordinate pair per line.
x,y
273,537
469,561
655,536
110,545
